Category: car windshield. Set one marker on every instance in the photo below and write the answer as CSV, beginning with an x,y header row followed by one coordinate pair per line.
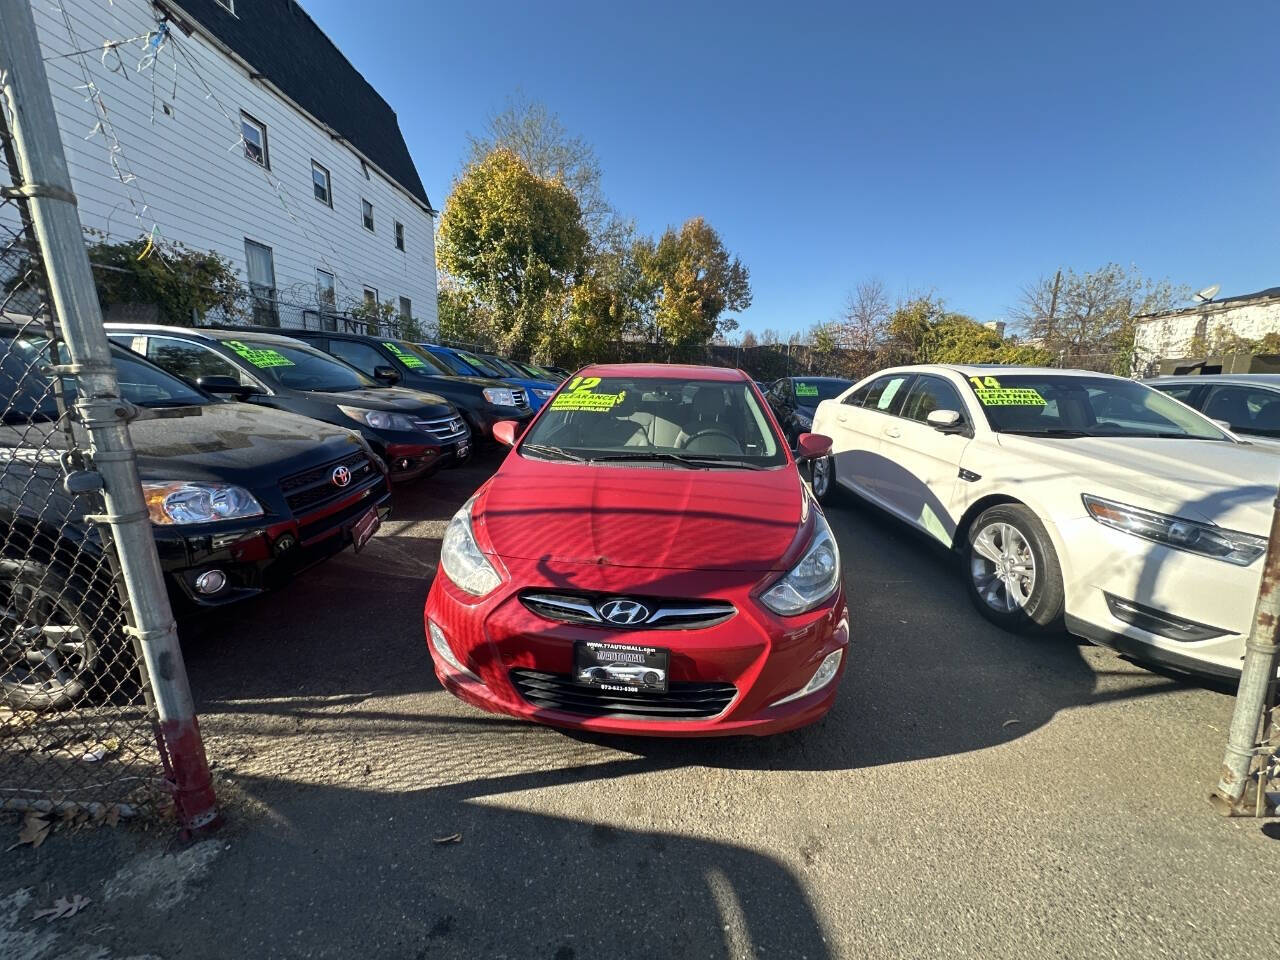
x,y
456,366
416,359
1052,405
297,366
815,391
27,380
508,368
484,367
690,423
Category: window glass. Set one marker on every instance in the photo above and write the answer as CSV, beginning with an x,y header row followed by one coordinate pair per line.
x,y
320,183
1058,405
859,396
483,367
455,365
929,394
884,391
359,355
192,360
1179,391
812,392
254,135
296,365
643,418
366,214
1249,410
399,231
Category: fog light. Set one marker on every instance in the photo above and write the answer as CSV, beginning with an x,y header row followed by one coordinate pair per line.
x,y
211,581
286,543
825,673
441,646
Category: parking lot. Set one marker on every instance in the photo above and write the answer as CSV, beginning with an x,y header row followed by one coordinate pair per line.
x,y
970,794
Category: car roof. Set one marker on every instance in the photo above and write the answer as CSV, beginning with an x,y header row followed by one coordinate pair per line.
x,y
664,371
268,335
1243,379
801,376
989,369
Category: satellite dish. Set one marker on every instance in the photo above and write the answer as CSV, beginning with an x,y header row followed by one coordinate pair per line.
x,y
1208,293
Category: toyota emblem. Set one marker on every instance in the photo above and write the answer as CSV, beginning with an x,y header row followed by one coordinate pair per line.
x,y
624,613
341,476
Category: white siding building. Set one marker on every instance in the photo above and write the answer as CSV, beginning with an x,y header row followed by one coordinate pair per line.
x,y
1175,333
236,126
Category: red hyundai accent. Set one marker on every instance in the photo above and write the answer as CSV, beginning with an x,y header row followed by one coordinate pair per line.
x,y
647,560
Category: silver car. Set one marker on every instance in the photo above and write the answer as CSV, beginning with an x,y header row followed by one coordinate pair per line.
x,y
1249,403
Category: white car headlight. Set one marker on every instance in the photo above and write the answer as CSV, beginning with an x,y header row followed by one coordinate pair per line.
x,y
1192,536
542,394
812,580
178,501
379,419
461,558
500,396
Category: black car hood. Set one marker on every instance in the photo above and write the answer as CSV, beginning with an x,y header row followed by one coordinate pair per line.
x,y
441,379
394,399
233,442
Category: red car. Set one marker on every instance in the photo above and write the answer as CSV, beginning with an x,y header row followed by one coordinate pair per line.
x,y
647,560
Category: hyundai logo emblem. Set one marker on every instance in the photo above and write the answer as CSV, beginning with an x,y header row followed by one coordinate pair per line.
x,y
341,476
625,613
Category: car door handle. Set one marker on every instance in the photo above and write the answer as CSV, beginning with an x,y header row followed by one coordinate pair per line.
x,y
842,418
892,432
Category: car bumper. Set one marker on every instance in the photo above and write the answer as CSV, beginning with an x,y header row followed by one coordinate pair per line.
x,y
764,657
1179,585
409,461
256,557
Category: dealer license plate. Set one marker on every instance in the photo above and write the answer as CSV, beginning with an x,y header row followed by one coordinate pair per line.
x,y
623,667
364,528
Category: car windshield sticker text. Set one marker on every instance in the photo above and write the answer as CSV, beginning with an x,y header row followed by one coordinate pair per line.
x,y
991,394
580,395
406,358
260,356
806,390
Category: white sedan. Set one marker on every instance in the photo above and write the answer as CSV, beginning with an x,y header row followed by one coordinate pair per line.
x,y
1074,498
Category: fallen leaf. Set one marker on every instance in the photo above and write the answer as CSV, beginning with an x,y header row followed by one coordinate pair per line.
x,y
35,827
451,838
102,749
1010,723
62,908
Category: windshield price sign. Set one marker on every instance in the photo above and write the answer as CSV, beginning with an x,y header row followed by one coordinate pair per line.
x,y
581,395
260,356
991,394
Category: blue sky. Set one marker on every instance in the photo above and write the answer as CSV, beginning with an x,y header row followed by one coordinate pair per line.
x,y
961,148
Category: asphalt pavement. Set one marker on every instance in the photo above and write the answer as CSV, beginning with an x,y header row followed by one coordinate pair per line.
x,y
972,794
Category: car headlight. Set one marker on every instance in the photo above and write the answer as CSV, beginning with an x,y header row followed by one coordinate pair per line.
x,y
1192,536
542,394
181,502
461,559
812,580
500,396
379,419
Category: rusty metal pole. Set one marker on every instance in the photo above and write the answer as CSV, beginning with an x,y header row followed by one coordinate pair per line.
x,y
1256,679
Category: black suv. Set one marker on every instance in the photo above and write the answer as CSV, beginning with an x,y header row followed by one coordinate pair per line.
x,y
241,499
482,400
415,432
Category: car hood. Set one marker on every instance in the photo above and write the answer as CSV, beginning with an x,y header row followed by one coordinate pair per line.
x,y
651,517
395,399
1230,484
232,442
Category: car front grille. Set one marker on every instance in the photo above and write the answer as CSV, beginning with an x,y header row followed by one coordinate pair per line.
x,y
664,612
682,701
521,398
444,429
315,488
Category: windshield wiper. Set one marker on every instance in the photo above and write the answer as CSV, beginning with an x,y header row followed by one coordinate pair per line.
x,y
1057,432
555,453
692,462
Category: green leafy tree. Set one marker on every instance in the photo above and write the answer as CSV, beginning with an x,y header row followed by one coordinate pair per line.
x,y
184,284
693,281
955,338
516,240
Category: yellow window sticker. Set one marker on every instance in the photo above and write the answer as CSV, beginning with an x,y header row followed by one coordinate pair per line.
x,y
404,356
260,356
991,394
580,395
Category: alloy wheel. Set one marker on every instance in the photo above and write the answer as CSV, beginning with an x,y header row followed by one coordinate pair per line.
x,y
821,476
1003,567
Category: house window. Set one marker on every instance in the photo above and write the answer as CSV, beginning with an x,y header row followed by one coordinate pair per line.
x,y
406,308
366,213
320,183
254,134
371,297
399,235
262,283
327,294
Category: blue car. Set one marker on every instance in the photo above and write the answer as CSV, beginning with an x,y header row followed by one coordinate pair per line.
x,y
467,364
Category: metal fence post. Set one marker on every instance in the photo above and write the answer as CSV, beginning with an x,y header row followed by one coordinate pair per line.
x,y
1257,677
48,190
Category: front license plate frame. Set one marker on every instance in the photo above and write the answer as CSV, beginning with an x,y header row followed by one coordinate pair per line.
x,y
364,528
621,667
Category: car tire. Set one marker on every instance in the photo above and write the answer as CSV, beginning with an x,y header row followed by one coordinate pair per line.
x,y
822,477
37,673
1012,570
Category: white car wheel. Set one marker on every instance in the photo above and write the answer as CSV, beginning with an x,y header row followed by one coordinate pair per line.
x,y
1013,574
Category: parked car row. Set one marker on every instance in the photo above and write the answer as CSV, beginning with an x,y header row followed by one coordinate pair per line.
x,y
260,455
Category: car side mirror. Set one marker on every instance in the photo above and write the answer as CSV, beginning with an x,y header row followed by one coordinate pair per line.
x,y
812,446
945,421
387,375
225,385
507,432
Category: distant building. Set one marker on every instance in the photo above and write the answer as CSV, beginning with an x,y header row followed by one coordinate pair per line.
x,y
247,133
1177,334
997,326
